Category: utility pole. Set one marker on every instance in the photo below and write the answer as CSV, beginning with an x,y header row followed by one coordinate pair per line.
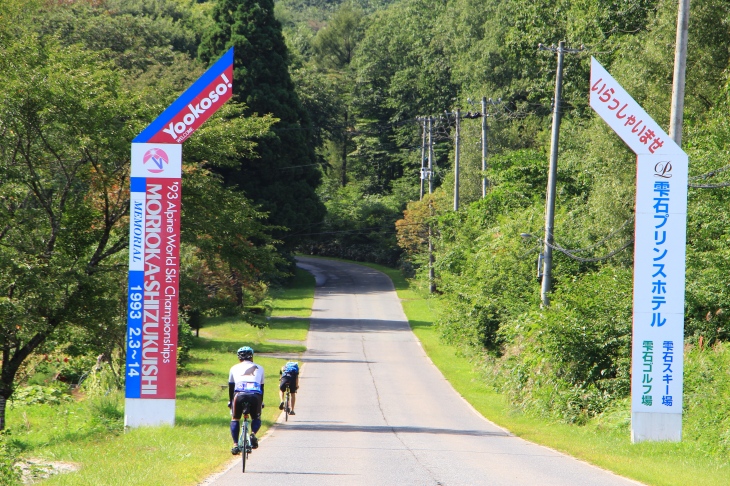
x,y
680,68
423,156
431,277
552,176
430,155
344,153
456,161
484,147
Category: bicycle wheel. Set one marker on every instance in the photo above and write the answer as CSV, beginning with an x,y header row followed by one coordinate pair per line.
x,y
243,444
286,406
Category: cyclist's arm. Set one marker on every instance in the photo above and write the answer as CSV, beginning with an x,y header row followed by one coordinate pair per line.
x,y
231,387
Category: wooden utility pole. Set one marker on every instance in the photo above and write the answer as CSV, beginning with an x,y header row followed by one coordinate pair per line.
x,y
423,155
552,178
680,68
430,155
344,152
431,279
484,147
456,162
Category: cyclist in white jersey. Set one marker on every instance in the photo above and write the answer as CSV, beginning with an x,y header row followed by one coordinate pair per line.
x,y
245,387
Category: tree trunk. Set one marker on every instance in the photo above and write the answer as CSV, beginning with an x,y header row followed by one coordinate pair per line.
x,y
344,153
237,289
3,400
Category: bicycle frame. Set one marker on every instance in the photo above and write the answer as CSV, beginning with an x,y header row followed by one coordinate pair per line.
x,y
244,439
286,404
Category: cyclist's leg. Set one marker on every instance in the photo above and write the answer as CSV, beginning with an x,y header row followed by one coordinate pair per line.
x,y
292,383
282,387
254,400
236,409
253,409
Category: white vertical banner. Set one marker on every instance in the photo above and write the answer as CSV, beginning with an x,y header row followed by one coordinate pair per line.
x,y
152,299
154,246
659,261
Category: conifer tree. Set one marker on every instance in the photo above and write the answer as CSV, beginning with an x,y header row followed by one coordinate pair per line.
x,y
283,178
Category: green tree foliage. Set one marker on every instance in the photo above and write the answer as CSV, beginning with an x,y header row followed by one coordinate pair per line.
x,y
74,97
63,166
571,361
335,43
284,175
403,72
359,225
334,47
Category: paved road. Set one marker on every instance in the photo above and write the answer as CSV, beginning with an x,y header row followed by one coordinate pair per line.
x,y
373,410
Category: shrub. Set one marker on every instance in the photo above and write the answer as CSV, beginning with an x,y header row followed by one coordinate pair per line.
x,y
100,381
572,360
9,472
185,341
36,394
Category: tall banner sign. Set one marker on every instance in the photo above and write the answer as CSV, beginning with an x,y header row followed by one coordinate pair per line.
x,y
154,247
659,261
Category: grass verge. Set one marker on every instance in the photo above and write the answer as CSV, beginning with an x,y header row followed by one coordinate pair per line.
x,y
88,431
604,442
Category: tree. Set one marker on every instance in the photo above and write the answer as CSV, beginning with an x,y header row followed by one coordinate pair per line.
x,y
334,46
335,43
64,127
67,116
284,175
226,246
403,72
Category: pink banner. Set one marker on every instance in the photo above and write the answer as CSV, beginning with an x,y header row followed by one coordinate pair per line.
x,y
162,268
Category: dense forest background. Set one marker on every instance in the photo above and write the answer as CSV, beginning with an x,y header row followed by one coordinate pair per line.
x,y
320,152
415,58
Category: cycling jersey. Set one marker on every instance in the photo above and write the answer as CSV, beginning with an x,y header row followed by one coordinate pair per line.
x,y
291,368
247,377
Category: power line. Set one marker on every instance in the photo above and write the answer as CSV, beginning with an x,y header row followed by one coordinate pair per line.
x,y
382,228
591,260
570,253
712,173
709,186
602,241
708,175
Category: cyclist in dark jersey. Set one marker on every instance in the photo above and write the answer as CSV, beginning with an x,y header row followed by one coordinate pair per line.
x,y
245,386
289,377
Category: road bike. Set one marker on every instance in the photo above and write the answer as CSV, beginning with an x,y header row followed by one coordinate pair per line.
x,y
244,440
287,401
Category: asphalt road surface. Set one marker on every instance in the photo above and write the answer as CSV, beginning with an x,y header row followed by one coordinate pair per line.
x,y
373,410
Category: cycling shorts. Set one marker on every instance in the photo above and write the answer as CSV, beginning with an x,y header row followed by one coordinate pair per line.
x,y
288,380
246,403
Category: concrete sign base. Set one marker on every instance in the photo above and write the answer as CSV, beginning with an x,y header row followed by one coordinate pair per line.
x,y
656,427
140,412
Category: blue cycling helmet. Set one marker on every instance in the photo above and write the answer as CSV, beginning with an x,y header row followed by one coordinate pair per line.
x,y
245,353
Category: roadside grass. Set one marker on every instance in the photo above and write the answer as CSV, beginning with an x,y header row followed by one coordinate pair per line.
x,y
604,442
89,432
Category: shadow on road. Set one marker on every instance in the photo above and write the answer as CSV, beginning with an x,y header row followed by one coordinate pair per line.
x,y
357,325
386,429
326,360
279,473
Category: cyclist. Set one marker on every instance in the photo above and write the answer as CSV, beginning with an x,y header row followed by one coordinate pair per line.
x,y
289,377
245,386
